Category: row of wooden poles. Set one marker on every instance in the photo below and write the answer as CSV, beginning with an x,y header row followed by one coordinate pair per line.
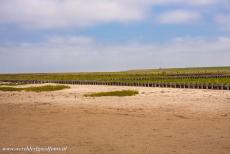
x,y
137,84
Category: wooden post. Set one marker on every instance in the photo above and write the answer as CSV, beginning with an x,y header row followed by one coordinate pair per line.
x,y
217,86
222,87
157,85
170,85
151,84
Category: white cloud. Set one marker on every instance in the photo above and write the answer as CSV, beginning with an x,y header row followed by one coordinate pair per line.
x,y
70,40
56,13
179,17
201,2
180,52
223,20
70,13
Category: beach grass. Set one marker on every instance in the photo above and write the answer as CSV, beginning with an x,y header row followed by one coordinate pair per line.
x,y
36,89
121,93
10,89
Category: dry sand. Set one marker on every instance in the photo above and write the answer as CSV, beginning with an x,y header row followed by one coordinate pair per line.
x,y
158,120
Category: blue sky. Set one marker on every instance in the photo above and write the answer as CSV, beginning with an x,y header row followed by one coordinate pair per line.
x,y
112,35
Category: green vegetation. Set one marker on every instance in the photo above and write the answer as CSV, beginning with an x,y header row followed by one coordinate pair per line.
x,y
113,93
190,70
132,76
10,89
36,89
47,88
184,80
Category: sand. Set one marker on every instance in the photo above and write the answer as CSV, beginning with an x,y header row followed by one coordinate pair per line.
x,y
158,120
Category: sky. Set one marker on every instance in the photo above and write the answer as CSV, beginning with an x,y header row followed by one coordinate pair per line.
x,y
112,35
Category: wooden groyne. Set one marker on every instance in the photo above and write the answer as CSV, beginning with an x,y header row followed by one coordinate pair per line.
x,y
136,84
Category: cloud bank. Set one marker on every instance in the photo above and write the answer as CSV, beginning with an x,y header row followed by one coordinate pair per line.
x,y
76,56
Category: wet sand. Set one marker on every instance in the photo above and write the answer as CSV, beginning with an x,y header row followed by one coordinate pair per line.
x,y
158,120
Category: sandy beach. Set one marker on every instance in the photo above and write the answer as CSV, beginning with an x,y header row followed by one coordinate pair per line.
x,y
157,120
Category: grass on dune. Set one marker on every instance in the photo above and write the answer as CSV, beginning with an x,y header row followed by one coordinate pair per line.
x,y
36,89
47,88
113,93
10,89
